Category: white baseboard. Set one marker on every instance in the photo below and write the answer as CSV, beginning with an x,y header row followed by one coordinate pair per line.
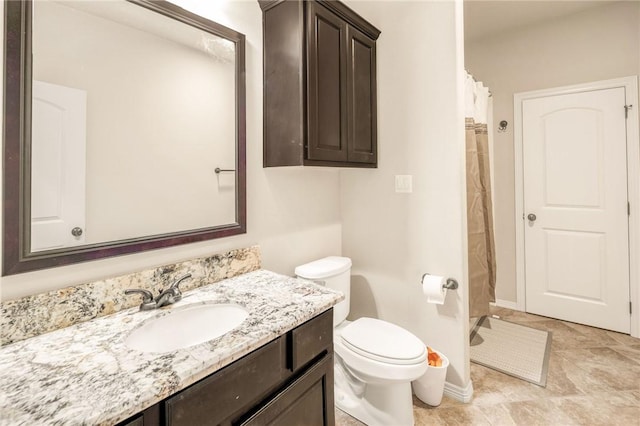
x,y
459,394
506,304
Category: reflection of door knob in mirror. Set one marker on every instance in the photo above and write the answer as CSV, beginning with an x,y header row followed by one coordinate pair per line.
x,y
76,232
532,217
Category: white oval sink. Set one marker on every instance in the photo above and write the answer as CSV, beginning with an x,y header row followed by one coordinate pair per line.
x,y
187,326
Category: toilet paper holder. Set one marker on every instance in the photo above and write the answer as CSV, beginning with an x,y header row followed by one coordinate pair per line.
x,y
450,284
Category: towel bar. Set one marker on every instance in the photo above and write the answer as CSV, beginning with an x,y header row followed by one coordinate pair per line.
x,y
218,170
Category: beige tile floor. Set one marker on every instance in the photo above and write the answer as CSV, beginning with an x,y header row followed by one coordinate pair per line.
x,y
594,379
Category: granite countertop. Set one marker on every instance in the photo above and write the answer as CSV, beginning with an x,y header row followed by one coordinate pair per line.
x,y
84,374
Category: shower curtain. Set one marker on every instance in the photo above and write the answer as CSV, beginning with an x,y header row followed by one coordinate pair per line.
x,y
481,245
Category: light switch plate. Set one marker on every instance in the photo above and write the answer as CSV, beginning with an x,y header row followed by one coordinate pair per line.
x,y
404,183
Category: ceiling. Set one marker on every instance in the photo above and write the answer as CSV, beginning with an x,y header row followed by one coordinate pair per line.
x,y
485,18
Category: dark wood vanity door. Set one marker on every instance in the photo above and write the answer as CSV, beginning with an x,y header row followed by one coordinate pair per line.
x,y
326,85
307,401
361,85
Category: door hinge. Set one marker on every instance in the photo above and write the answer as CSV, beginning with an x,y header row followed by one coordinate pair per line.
x,y
626,110
630,310
628,208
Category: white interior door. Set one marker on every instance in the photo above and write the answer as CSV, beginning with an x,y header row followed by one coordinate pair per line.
x,y
575,208
57,166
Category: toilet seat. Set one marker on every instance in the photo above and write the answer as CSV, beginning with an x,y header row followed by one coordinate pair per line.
x,y
383,342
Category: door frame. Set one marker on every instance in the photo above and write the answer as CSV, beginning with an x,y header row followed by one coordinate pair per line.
x,y
633,184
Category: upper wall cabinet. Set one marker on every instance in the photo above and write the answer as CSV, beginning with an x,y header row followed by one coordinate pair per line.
x,y
319,85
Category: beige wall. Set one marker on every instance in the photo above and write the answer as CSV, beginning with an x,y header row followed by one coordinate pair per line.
x,y
293,213
393,238
598,44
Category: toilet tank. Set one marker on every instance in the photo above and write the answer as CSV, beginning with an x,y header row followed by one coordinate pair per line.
x,y
335,273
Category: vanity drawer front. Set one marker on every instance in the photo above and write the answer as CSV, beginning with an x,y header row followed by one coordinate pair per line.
x,y
311,339
236,386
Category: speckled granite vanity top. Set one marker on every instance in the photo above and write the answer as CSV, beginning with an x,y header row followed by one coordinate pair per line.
x,y
84,374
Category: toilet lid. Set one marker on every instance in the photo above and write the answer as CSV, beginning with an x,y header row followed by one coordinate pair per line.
x,y
382,341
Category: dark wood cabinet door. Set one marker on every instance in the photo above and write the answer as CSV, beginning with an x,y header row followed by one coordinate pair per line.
x,y
284,90
308,401
361,98
326,85
319,85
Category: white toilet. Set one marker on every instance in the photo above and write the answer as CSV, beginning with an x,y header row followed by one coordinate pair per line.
x,y
375,360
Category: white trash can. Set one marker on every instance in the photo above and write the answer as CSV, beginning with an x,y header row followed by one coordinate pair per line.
x,y
429,387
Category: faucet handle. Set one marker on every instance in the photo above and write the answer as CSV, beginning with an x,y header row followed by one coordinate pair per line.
x,y
176,294
175,289
177,282
147,298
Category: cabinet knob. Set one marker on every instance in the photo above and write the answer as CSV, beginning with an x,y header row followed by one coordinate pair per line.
x,y
76,232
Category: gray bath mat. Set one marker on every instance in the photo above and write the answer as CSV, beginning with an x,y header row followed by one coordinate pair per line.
x,y
513,349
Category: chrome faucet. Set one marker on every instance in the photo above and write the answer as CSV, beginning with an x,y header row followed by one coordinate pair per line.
x,y
166,297
172,294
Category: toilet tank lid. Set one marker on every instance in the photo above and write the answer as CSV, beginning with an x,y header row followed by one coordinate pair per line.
x,y
323,268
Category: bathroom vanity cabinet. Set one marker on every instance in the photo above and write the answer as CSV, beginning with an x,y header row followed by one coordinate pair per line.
x,y
285,382
319,85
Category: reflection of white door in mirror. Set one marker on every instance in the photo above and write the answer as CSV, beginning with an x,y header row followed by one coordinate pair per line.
x,y
58,166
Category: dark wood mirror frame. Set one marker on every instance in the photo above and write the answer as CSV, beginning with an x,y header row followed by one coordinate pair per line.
x,y
17,155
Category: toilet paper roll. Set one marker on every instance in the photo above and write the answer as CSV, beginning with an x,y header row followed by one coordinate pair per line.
x,y
433,288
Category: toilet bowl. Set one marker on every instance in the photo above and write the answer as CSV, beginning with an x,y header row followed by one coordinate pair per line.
x,y
375,360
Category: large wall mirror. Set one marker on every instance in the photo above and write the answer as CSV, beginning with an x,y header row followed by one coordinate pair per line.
x,y
124,130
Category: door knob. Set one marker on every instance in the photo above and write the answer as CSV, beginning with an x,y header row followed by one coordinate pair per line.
x,y
532,217
76,232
